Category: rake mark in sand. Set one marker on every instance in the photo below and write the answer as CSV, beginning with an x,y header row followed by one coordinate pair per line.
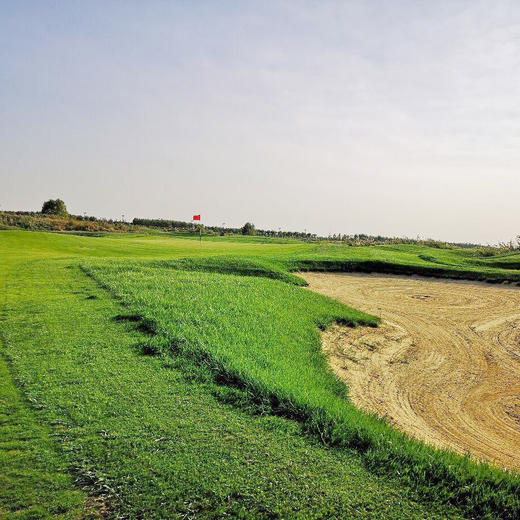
x,y
444,366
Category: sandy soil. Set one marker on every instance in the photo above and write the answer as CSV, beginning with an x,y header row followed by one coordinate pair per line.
x,y
444,366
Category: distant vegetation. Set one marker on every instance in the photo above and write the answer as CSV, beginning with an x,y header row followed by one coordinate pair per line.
x,y
54,217
37,221
54,207
248,229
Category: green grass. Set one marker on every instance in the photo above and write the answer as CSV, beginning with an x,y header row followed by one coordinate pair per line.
x,y
282,255
153,436
34,483
261,333
261,336
234,414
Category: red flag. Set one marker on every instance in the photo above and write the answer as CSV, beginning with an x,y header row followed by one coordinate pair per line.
x,y
196,217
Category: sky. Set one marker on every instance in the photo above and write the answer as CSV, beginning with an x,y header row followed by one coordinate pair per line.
x,y
395,118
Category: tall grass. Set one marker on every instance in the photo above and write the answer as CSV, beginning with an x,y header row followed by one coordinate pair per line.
x,y
261,335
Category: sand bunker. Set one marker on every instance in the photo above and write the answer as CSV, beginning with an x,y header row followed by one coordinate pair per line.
x,y
444,366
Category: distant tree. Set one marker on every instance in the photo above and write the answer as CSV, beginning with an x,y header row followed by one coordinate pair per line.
x,y
54,207
248,229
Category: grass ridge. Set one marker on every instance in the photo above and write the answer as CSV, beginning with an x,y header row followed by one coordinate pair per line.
x,y
384,267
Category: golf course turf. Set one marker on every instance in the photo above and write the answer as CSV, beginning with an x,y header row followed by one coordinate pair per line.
x,y
158,377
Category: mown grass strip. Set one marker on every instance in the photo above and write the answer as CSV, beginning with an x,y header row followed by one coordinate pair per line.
x,y
34,481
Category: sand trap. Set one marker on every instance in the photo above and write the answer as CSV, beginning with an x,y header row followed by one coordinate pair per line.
x,y
443,367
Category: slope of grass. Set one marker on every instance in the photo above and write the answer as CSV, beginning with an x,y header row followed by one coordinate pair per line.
x,y
260,335
153,436
406,259
244,266
261,332
286,255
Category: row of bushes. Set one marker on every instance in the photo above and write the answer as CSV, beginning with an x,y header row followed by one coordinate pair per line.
x,y
39,222
354,240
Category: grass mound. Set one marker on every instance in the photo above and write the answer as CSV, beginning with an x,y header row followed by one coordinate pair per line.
x,y
261,336
426,265
234,265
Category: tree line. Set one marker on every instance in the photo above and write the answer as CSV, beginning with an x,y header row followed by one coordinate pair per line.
x,y
56,208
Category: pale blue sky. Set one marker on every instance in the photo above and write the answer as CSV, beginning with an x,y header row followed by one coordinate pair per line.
x,y
380,117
